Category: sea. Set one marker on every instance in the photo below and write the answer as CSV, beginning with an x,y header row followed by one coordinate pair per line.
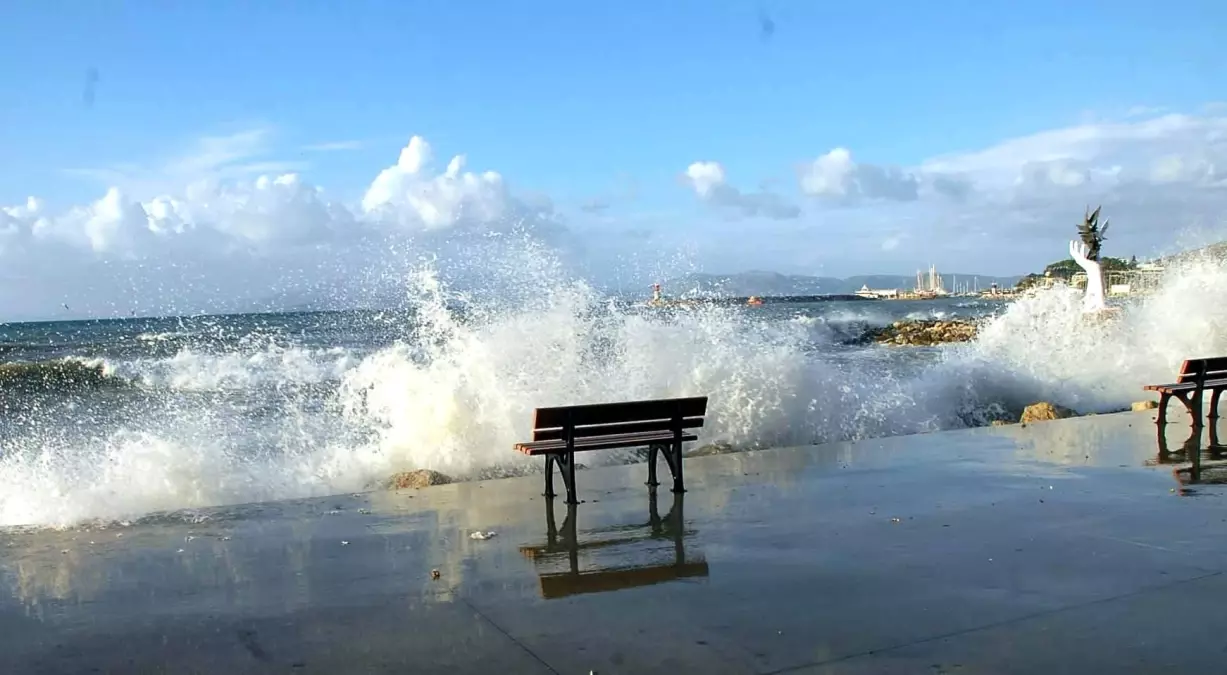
x,y
110,421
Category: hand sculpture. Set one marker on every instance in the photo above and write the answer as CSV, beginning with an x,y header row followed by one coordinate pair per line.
x,y
1094,300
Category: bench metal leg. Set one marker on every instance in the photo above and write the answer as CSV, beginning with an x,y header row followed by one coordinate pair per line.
x,y
549,477
1214,396
679,484
673,457
653,451
1193,405
1196,409
1164,398
566,467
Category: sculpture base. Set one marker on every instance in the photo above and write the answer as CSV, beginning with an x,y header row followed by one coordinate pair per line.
x,y
1097,316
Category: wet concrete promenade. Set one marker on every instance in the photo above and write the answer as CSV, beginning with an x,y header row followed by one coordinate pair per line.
x,y
1068,546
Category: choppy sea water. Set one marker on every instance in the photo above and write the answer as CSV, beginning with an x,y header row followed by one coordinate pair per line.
x,y
112,420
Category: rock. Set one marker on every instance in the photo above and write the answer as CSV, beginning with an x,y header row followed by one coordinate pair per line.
x,y
1144,405
416,479
56,376
922,333
1001,423
1044,411
717,448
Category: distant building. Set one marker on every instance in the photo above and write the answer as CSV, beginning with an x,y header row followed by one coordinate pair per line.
x,y
1141,281
878,293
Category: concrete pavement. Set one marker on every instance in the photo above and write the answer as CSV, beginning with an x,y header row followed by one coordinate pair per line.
x,y
1066,546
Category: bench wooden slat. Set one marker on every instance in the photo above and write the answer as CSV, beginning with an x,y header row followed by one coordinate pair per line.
x,y
617,429
614,413
1185,386
602,442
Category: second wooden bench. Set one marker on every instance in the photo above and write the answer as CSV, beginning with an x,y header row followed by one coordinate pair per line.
x,y
1196,376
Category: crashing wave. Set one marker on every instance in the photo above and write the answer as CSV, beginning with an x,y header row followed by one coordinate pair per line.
x,y
456,385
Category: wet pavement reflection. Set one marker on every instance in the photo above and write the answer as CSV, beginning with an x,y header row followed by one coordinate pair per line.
x,y
1199,460
631,549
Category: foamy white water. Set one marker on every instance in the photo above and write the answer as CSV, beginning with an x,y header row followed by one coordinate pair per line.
x,y
451,385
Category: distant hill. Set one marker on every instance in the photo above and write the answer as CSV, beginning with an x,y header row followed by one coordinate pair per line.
x,y
759,282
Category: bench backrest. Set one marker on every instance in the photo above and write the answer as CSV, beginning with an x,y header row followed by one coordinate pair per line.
x,y
1195,370
628,417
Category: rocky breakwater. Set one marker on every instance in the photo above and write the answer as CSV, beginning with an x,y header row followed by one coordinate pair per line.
x,y
923,333
58,376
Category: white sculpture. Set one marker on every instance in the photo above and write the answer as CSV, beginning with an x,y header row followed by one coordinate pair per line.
x,y
1093,302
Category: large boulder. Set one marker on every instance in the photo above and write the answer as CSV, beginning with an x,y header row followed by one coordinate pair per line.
x,y
1045,411
1144,405
416,479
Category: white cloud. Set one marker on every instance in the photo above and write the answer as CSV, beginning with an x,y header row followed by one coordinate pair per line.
x,y
215,152
225,219
1124,149
1156,178
836,177
241,155
334,146
1012,206
708,181
408,194
233,229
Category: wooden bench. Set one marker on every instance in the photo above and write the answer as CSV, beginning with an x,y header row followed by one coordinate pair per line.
x,y
660,425
1196,376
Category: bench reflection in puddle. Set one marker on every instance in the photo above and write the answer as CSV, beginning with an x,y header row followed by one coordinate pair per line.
x,y
1190,448
623,556
1199,464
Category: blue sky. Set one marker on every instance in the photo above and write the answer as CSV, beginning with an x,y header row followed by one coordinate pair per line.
x,y
597,101
564,96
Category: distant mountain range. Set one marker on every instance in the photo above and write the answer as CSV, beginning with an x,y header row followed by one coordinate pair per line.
x,y
757,282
